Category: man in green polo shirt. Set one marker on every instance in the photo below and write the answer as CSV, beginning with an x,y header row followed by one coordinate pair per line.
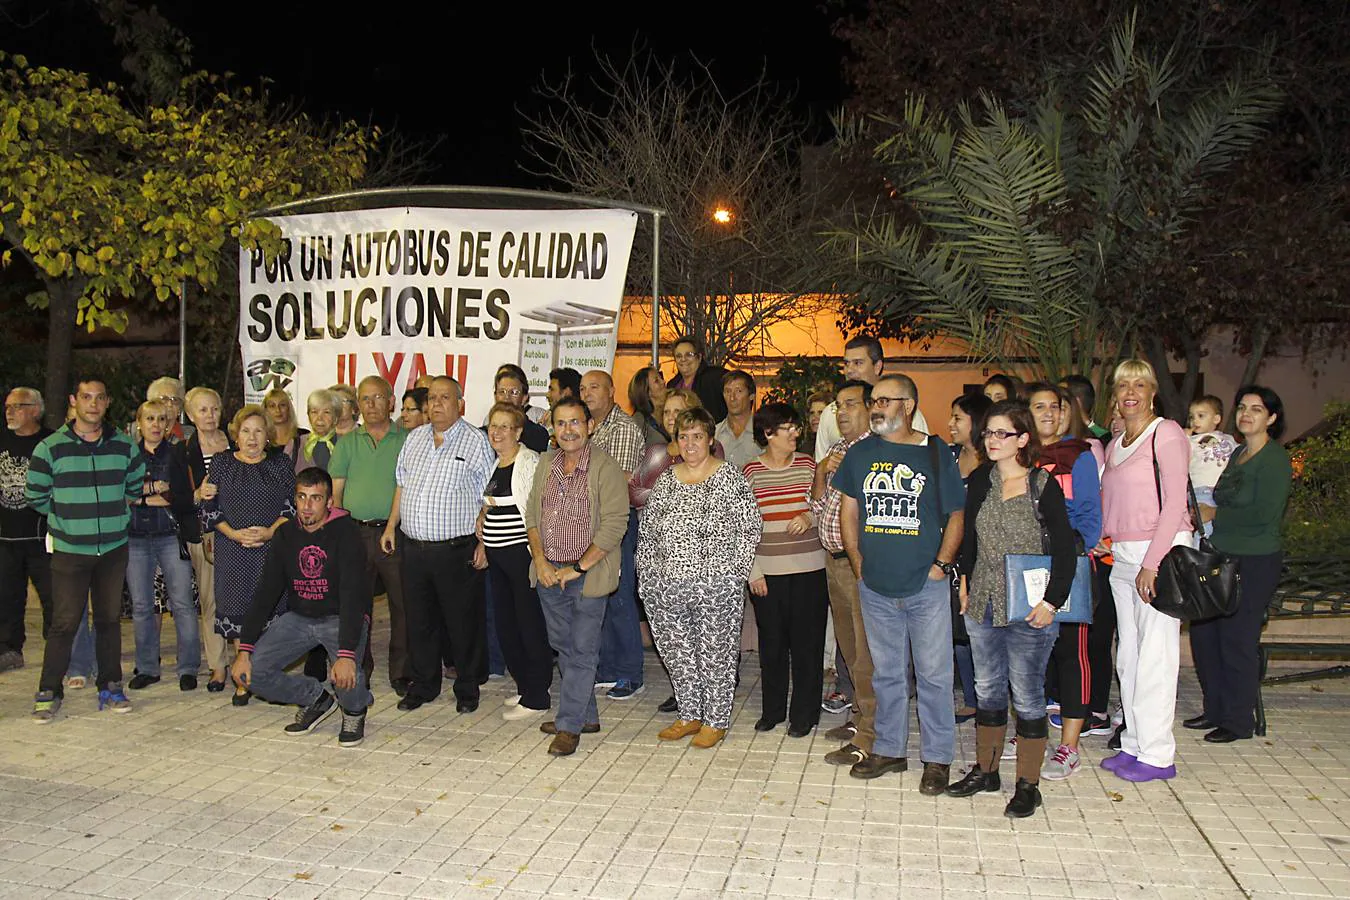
x,y
363,483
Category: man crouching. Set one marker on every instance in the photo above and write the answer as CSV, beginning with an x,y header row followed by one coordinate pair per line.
x,y
316,561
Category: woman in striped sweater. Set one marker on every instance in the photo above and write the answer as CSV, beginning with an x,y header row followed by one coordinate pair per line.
x,y
788,579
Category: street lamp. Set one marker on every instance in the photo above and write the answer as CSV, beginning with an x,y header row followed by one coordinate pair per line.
x,y
722,215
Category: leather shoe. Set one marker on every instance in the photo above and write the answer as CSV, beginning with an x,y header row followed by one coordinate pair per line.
x,y
409,703
400,686
846,732
1026,797
550,728
876,766
1197,723
708,737
465,706
798,731
977,781
1222,735
767,724
681,728
564,744
669,705
936,777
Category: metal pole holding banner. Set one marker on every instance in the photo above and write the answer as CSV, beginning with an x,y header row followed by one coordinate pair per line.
x,y
656,290
182,332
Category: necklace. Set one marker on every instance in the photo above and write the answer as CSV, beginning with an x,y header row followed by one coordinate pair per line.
x,y
1126,439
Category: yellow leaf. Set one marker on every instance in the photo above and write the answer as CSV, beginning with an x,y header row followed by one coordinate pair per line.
x,y
105,253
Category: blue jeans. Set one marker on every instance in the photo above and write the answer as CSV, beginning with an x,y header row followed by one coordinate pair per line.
x,y
574,625
144,555
920,626
286,640
82,651
621,638
1013,654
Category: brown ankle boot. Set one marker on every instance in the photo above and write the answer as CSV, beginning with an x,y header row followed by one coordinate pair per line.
x,y
1030,758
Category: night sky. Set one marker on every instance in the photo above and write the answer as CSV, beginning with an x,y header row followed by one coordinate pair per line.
x,y
461,69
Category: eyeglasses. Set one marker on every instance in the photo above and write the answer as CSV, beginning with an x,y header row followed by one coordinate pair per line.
x,y
998,433
509,392
885,401
685,357
790,428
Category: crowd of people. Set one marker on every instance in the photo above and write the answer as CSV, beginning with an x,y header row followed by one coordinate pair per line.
x,y
561,537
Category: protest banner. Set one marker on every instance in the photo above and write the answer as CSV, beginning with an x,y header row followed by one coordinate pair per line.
x,y
410,291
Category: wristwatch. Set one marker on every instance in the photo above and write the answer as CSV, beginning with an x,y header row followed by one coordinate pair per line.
x,y
946,567
577,565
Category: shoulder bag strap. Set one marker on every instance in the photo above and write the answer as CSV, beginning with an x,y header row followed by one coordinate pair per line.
x,y
1192,505
1034,494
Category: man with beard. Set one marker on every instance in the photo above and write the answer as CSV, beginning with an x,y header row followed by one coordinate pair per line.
x,y
901,518
23,551
318,561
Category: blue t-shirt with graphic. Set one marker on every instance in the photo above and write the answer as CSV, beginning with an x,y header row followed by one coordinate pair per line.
x,y
899,523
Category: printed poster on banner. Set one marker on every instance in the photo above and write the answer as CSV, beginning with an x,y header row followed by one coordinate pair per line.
x,y
406,292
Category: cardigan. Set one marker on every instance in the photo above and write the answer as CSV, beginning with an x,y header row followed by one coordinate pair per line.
x,y
1130,508
608,490
1056,516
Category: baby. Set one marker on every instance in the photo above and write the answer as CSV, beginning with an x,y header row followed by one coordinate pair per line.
x,y
1210,449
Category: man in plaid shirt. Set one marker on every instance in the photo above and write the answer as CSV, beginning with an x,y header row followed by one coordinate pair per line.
x,y
621,640
575,517
851,402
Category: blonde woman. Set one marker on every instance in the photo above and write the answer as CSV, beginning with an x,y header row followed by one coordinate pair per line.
x,y
281,412
205,443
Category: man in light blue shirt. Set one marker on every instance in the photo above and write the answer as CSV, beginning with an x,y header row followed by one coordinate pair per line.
x,y
442,470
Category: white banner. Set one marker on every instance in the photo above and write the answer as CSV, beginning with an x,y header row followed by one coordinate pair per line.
x,y
407,292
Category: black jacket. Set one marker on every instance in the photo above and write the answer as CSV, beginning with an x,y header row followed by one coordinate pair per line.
x,y
322,573
708,386
1063,539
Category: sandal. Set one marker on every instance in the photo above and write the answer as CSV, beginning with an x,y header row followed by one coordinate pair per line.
x,y
75,682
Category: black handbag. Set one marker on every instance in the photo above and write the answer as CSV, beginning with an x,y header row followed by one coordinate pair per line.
x,y
1194,584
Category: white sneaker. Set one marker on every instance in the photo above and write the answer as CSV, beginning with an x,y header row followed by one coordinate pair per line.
x,y
1061,764
1010,749
512,701
521,712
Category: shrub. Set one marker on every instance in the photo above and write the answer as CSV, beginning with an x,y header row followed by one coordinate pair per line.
x,y
1317,522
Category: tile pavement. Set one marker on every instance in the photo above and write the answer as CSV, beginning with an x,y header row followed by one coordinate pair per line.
x,y
188,797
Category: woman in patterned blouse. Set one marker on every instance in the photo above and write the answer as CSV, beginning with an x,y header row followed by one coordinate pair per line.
x,y
697,539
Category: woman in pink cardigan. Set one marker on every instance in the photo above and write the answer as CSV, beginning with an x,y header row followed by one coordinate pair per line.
x,y
1145,517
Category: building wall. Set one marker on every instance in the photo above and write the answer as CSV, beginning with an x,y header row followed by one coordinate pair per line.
x,y
941,375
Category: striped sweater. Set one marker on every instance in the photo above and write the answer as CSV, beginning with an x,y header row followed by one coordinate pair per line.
x,y
82,487
783,494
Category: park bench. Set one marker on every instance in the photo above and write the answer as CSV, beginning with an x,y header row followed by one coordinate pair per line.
x,y
1311,589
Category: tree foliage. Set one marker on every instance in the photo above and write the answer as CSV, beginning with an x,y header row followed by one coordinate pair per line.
x,y
646,133
1019,232
106,200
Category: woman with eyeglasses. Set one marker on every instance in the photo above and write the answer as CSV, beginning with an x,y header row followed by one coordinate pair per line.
x,y
504,550
787,584
1011,652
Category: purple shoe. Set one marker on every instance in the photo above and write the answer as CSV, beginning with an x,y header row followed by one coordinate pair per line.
x,y
1142,771
1112,763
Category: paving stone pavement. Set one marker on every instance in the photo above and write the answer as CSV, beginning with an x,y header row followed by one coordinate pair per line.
x,y
189,797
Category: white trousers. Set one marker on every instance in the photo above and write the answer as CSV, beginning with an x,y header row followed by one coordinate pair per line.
x,y
1148,659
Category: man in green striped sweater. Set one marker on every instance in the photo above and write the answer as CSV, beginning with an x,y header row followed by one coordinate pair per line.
x,y
82,478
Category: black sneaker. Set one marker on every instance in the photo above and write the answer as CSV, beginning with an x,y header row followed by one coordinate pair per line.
x,y
141,680
187,682
309,717
353,729
1114,743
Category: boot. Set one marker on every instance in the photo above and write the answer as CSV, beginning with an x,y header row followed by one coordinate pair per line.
x,y
1031,741
991,726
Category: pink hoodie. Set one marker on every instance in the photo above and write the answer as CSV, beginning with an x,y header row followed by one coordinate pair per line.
x,y
1130,497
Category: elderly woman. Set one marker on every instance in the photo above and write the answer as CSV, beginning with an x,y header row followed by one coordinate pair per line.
x,y
1144,514
349,410
169,391
1006,504
1249,497
199,450
325,407
158,517
1069,459
647,396
414,412
281,413
504,549
787,583
697,536
255,493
